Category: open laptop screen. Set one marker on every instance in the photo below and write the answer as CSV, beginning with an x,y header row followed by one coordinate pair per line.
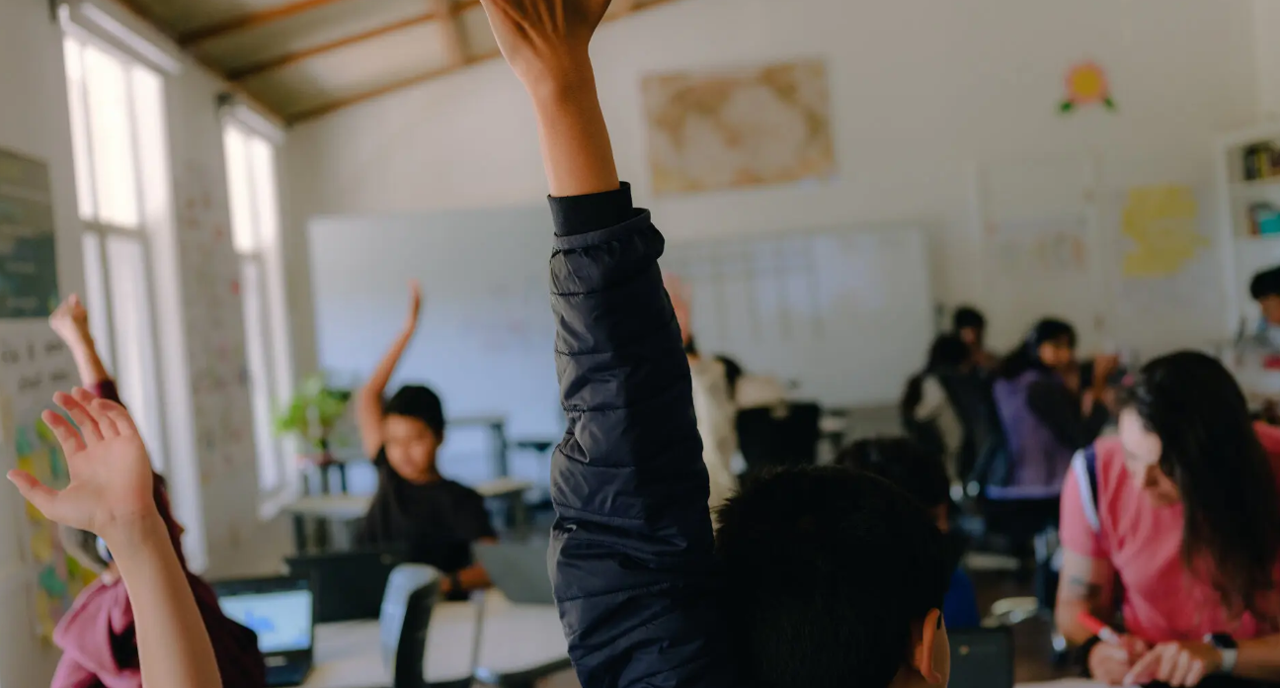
x,y
282,619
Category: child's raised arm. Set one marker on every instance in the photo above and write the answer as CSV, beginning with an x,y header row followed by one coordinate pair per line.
x,y
110,494
632,547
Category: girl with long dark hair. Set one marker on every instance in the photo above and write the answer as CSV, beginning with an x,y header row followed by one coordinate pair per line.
x,y
1182,505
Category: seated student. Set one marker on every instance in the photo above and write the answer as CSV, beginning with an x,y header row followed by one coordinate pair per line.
x,y
928,412
1182,507
712,404
970,325
415,508
1044,416
97,635
1260,352
819,577
920,473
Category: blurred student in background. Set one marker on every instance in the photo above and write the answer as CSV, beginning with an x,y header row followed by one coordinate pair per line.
x,y
1258,353
929,408
1182,507
432,519
97,635
970,325
919,472
713,402
1045,415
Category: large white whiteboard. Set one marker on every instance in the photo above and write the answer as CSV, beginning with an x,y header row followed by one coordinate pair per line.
x,y
846,314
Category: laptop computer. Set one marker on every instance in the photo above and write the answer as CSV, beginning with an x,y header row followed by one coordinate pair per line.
x,y
981,658
348,585
519,570
282,612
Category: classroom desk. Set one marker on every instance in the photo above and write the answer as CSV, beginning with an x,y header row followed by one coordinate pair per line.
x,y
521,641
345,508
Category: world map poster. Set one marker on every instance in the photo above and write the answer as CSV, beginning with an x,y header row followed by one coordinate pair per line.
x,y
739,128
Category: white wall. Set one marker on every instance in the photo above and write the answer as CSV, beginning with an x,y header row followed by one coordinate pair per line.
x,y
232,540
923,92
33,122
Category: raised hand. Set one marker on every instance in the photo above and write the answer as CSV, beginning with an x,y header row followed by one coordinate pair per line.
x,y
545,41
110,492
71,321
415,305
679,295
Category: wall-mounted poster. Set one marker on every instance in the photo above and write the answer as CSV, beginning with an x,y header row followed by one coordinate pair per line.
x,y
28,261
745,127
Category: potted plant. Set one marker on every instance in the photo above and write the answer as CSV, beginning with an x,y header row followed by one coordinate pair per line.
x,y
311,417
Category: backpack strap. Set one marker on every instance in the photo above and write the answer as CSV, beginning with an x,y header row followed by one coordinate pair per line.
x,y
1084,466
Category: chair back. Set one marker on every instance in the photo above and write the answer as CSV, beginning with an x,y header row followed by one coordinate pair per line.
x,y
407,603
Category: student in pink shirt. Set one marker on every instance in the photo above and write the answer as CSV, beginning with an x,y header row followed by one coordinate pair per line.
x,y
1181,509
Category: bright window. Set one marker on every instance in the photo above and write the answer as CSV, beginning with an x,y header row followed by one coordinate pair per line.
x,y
255,227
117,116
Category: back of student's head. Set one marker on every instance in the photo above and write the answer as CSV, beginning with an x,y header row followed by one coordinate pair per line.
x,y
1047,332
419,403
918,472
968,318
828,573
1265,284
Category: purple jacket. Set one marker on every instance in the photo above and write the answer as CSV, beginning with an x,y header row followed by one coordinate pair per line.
x,y
1038,460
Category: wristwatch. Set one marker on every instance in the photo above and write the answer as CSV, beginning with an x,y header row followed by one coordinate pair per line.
x,y
1229,649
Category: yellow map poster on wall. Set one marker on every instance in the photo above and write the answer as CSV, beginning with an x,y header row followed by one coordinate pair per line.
x,y
747,127
1163,224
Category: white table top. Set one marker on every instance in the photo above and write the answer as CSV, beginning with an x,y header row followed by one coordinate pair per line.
x,y
345,507
515,638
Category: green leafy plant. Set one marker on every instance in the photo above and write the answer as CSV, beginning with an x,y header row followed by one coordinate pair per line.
x,y
313,413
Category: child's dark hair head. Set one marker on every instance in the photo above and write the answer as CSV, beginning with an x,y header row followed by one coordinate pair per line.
x,y
968,318
1048,334
1265,283
911,468
419,403
828,573
948,352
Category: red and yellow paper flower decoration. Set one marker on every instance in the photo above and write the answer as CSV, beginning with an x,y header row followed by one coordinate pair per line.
x,y
1086,85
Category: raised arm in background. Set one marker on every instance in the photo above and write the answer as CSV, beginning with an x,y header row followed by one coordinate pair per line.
x,y
110,494
632,548
71,323
369,398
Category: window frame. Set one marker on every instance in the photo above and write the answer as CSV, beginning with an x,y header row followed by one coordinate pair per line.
x,y
149,404
269,359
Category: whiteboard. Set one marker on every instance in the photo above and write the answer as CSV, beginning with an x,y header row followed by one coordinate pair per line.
x,y
845,315
848,315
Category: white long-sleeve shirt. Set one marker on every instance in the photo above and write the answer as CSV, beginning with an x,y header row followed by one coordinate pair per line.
x,y
717,424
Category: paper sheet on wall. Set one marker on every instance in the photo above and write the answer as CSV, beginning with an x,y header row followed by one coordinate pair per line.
x,y
1166,261
33,365
1054,245
28,259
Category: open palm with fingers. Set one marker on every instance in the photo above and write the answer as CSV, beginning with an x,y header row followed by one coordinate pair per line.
x,y
111,480
544,39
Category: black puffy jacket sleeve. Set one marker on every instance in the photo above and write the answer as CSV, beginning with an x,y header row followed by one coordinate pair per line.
x,y
631,555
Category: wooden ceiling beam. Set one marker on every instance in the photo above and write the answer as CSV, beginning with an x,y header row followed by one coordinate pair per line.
x,y
135,8
454,42
343,103
256,68
250,20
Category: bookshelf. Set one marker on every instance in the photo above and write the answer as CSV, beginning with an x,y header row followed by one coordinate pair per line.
x,y
1248,172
